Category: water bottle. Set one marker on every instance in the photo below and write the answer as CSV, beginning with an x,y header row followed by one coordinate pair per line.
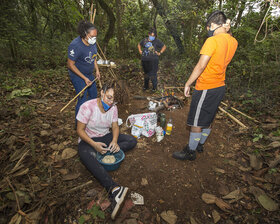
x,y
169,127
162,121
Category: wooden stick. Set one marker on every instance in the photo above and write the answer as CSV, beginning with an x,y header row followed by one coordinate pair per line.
x,y
77,187
18,163
90,16
232,117
76,96
11,186
93,18
238,111
174,87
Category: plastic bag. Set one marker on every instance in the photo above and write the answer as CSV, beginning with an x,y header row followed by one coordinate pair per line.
x,y
149,123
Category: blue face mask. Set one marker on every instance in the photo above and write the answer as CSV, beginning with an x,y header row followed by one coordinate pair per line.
x,y
106,107
151,38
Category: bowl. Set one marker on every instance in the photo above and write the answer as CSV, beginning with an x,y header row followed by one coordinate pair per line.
x,y
119,156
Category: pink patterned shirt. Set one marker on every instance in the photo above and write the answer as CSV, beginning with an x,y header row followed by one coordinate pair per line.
x,y
97,123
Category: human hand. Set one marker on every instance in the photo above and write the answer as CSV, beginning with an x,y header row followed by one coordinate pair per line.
x,y
101,147
97,74
140,52
114,147
87,81
158,53
187,91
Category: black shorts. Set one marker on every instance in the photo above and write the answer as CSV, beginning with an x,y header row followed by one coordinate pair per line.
x,y
204,106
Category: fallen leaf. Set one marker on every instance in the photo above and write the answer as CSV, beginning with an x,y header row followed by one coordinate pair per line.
x,y
274,162
21,172
169,216
237,195
63,171
272,137
222,204
274,145
208,198
255,162
91,193
54,147
71,176
263,199
245,169
158,219
271,120
44,133
270,126
68,153
16,219
193,221
218,170
36,215
216,216
144,182
223,189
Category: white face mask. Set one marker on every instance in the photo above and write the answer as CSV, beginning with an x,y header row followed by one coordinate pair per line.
x,y
92,40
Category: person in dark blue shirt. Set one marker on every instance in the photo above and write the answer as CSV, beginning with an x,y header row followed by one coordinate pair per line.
x,y
81,62
150,48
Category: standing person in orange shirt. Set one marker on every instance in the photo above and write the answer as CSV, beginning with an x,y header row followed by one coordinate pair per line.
x,y
209,74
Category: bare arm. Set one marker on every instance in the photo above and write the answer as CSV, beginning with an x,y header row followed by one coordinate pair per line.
x,y
71,65
96,69
198,69
139,48
99,146
114,147
162,49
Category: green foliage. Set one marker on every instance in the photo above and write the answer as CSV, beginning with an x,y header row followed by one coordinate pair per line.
x,y
257,137
95,212
277,132
272,171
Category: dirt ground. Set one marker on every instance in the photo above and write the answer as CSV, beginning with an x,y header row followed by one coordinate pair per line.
x,y
149,169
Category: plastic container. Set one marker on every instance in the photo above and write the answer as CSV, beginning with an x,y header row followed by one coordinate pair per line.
x,y
169,127
162,121
119,156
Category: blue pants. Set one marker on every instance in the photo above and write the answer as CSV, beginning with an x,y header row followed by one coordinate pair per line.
x,y
89,94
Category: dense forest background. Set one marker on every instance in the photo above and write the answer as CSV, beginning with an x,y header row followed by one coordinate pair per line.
x,y
35,35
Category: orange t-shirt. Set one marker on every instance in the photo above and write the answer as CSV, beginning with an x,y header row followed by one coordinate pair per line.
x,y
221,49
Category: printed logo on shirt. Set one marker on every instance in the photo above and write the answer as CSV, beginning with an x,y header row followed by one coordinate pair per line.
x,y
72,53
90,58
149,49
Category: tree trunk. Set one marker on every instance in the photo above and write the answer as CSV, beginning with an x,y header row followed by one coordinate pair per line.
x,y
170,26
239,16
111,29
120,31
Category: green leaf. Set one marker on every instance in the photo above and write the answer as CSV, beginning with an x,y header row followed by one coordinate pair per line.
x,y
82,220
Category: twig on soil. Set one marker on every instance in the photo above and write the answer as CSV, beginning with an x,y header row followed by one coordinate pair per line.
x,y
13,189
174,87
77,187
238,111
18,206
18,163
232,117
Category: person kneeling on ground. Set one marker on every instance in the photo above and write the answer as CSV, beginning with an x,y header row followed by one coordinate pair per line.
x,y
210,73
95,118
